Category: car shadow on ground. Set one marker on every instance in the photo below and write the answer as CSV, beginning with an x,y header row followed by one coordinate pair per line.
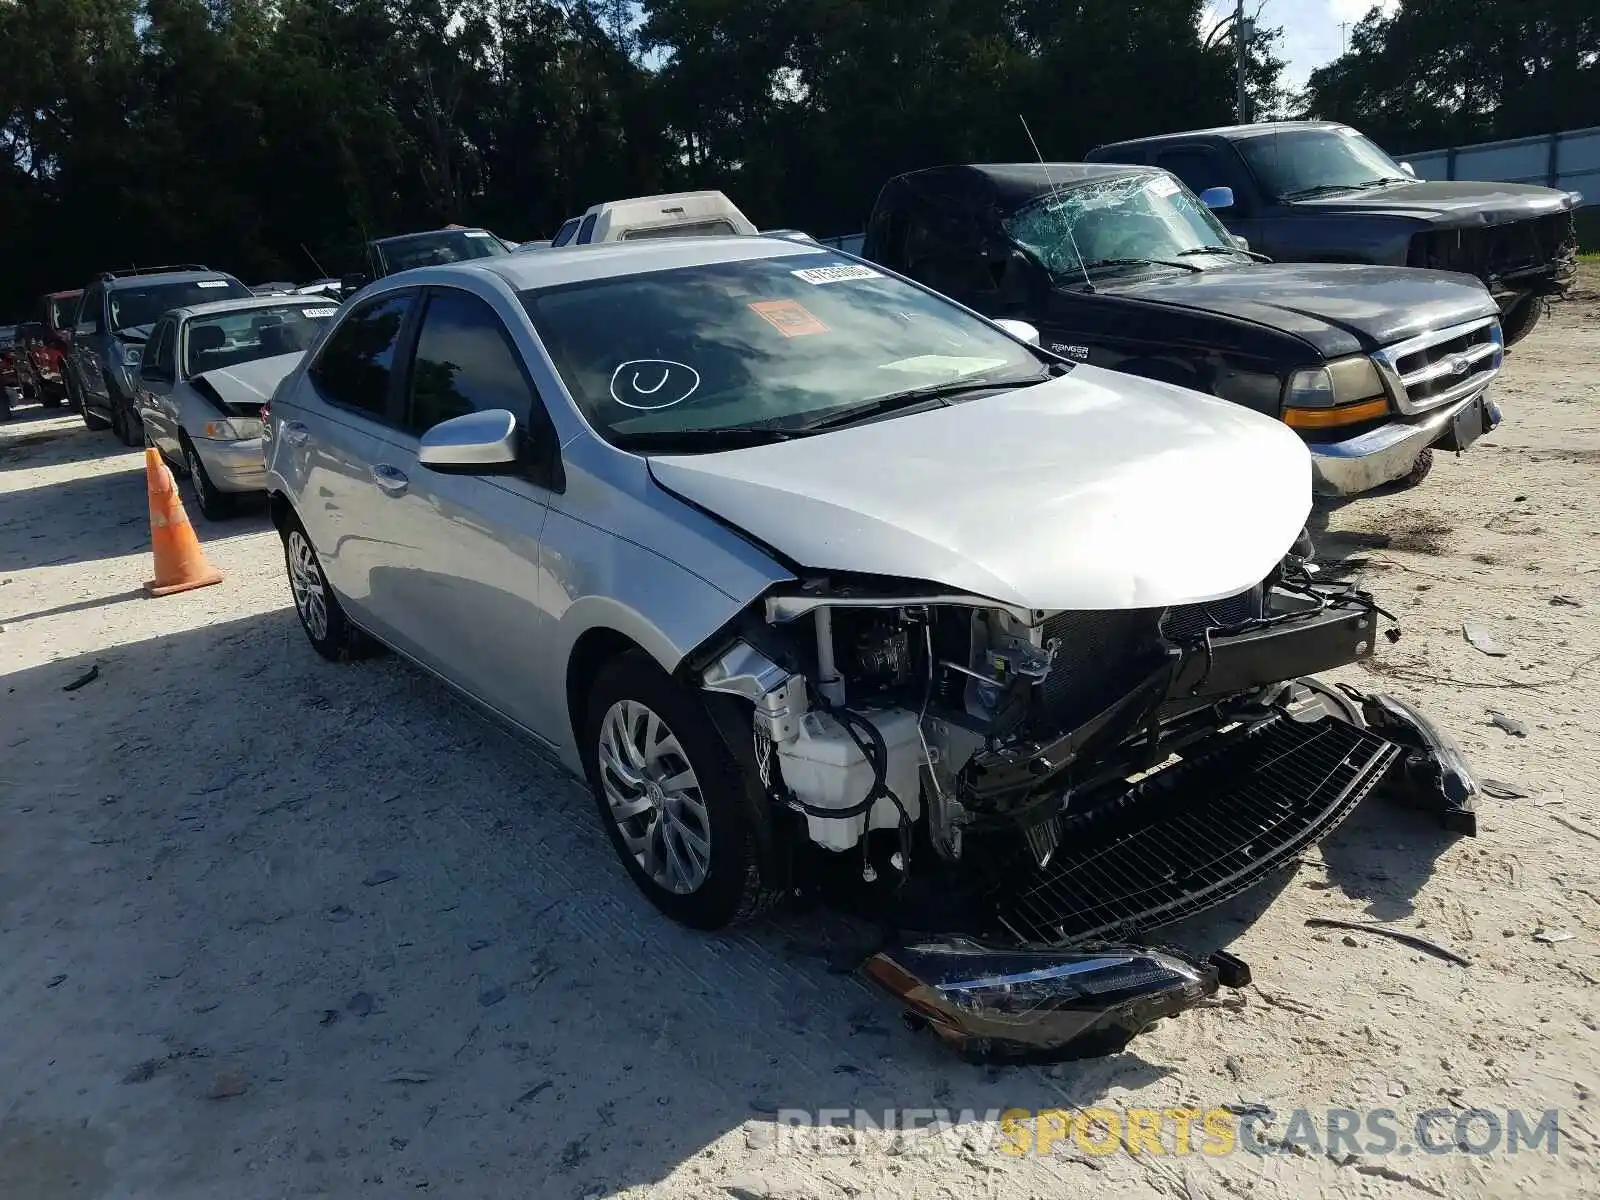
x,y
403,934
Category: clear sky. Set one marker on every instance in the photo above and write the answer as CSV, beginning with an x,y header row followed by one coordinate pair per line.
x,y
1311,34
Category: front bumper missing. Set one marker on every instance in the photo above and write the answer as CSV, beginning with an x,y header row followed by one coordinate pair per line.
x,y
1058,969
1382,455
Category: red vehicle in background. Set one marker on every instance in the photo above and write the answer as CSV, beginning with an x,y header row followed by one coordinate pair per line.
x,y
41,346
8,372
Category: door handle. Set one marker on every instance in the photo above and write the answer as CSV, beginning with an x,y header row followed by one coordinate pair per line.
x,y
295,433
390,480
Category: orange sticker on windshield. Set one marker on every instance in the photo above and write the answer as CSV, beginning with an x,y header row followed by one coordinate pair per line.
x,y
788,317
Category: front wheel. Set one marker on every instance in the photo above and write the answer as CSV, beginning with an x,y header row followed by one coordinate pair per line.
x,y
685,819
1419,470
1519,322
214,505
90,420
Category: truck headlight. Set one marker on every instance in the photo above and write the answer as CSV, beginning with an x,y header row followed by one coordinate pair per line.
x,y
1343,392
131,356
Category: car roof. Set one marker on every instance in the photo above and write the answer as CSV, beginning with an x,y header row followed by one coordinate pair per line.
x,y
245,304
125,281
405,237
66,295
1230,133
1007,186
605,260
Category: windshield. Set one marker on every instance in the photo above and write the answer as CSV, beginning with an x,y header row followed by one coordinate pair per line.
x,y
8,334
135,305
229,339
431,249
1304,161
1111,222
761,345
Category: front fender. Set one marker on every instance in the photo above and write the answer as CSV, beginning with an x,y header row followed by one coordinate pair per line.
x,y
602,584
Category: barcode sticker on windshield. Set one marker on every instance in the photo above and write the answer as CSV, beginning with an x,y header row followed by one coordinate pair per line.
x,y
211,283
1163,185
818,275
318,313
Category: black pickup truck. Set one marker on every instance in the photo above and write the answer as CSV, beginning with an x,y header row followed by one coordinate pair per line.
x,y
1316,191
1123,267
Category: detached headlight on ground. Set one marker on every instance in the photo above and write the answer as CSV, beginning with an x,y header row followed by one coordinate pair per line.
x,y
1041,1005
1345,392
232,429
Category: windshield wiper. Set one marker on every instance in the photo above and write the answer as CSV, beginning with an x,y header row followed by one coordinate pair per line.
x,y
937,393
1209,250
1139,262
728,437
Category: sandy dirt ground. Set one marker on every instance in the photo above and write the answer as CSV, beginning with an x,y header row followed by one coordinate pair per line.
x,y
273,927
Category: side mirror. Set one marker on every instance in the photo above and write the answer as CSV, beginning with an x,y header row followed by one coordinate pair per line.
x,y
477,443
354,282
1021,330
1217,197
1241,241
1409,169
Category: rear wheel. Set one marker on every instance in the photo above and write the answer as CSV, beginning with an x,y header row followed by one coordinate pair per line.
x,y
685,819
330,632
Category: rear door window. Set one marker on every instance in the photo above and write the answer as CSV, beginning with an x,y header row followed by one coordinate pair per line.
x,y
564,234
586,230
465,362
356,364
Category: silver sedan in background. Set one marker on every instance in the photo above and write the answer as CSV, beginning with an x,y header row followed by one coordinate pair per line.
x,y
206,372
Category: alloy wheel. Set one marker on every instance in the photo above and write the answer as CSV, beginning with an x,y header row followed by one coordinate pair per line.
x,y
654,797
305,577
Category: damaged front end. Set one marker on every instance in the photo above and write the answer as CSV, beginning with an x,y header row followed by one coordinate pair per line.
x,y
1044,789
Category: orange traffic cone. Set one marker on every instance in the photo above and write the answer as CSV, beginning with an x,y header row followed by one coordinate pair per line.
x,y
180,563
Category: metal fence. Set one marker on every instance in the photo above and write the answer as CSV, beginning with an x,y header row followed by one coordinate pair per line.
x,y
1569,160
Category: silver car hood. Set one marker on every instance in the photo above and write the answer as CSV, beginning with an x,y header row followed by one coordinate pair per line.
x,y
1093,491
250,383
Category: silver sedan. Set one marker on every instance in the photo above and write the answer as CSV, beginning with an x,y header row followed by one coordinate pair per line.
x,y
206,372
801,564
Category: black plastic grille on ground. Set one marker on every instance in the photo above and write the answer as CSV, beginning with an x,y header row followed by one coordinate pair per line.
x,y
1196,833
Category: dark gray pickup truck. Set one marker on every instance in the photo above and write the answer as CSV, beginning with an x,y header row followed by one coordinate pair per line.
x,y
1316,191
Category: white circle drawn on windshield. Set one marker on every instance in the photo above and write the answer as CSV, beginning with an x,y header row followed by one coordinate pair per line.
x,y
647,384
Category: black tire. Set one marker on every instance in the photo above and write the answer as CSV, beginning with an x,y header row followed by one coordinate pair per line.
x,y
129,429
1518,323
1419,471
337,640
744,873
213,505
91,420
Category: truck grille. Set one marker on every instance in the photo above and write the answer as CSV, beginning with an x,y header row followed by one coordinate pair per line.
x,y
1193,835
1442,365
1548,243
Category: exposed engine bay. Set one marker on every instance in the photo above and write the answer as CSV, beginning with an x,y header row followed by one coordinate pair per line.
x,y
1031,793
